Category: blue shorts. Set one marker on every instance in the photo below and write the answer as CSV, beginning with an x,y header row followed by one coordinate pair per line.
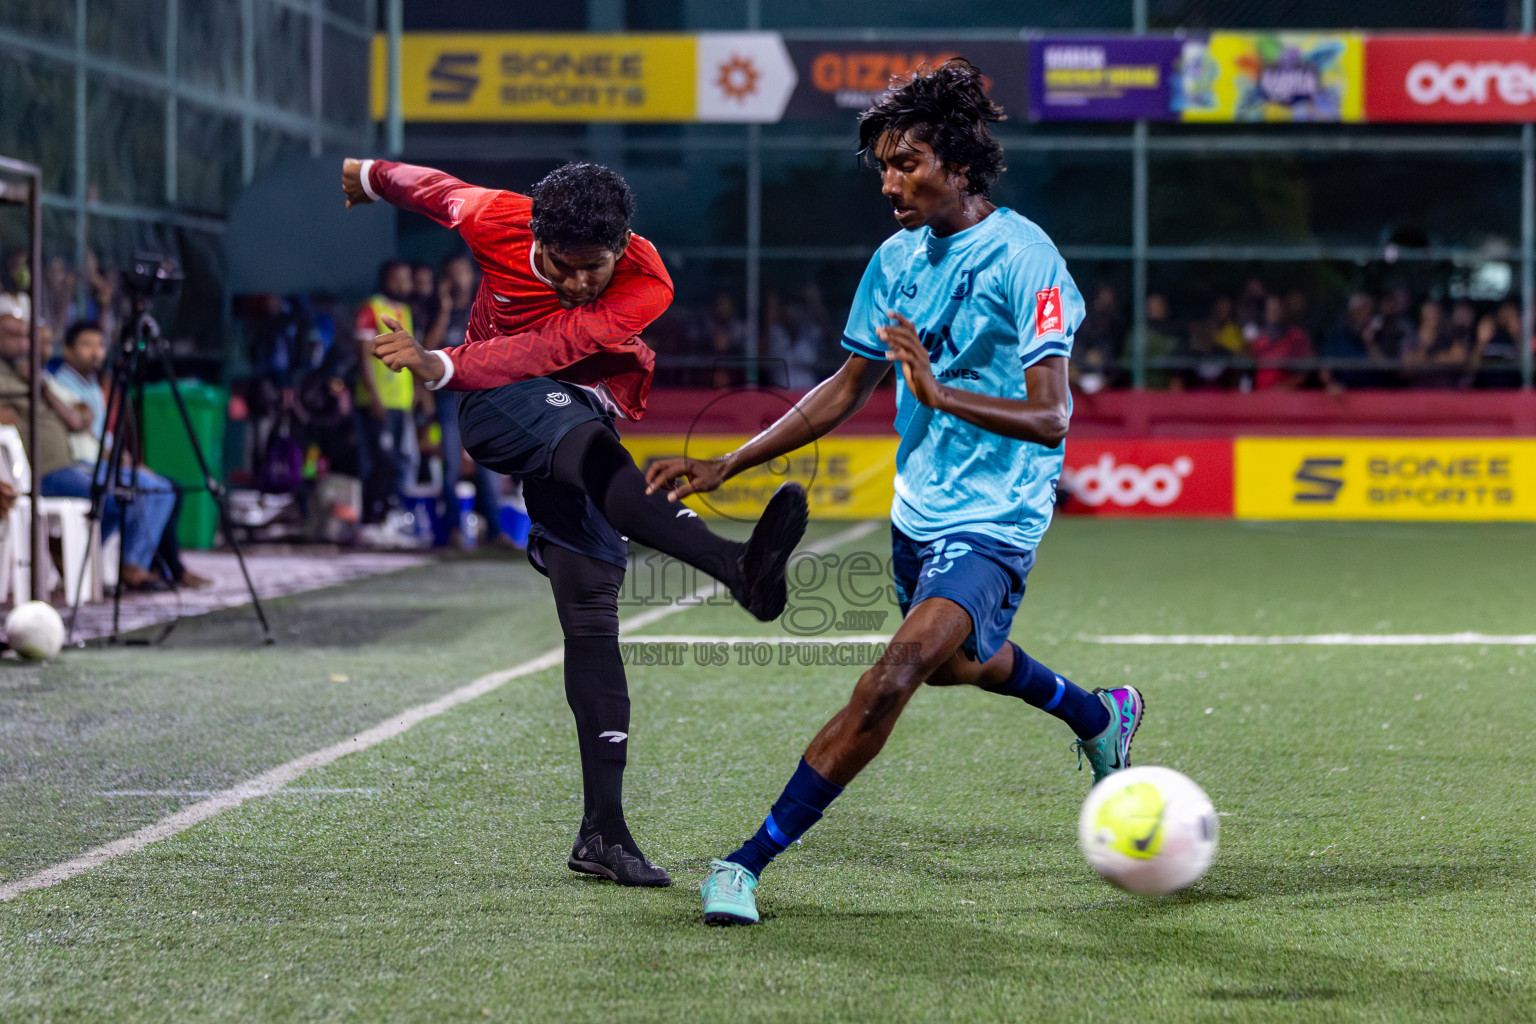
x,y
981,575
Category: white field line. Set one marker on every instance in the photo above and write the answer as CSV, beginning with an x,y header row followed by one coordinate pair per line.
x,y
271,781
292,791
1318,640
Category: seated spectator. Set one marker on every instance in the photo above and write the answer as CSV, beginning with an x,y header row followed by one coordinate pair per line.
x,y
1252,310
1223,328
1279,341
721,336
1436,355
1391,332
1161,344
1099,342
1350,338
57,471
1495,357
76,379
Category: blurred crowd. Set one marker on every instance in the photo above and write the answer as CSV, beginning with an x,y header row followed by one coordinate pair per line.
x,y
368,455
707,346
1261,339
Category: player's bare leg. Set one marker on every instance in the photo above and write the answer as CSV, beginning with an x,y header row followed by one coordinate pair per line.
x,y
929,637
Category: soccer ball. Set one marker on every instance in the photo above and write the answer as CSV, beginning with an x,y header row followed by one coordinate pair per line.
x,y
1148,830
34,630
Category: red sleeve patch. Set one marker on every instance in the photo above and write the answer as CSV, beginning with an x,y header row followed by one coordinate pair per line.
x,y
1048,311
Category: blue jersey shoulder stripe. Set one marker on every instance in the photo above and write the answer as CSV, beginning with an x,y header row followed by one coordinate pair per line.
x,y
862,348
1050,348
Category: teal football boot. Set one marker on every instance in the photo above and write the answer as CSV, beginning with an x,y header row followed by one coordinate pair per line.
x,y
728,895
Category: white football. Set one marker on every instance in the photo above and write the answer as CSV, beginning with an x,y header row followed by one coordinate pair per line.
x,y
34,630
1149,830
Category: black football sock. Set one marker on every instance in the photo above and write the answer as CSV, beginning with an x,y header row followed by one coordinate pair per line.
x,y
592,458
596,691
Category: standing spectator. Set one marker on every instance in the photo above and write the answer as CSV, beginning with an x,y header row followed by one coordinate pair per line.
x,y
1161,344
424,300
57,471
58,293
1436,354
1279,341
1350,338
385,397
456,290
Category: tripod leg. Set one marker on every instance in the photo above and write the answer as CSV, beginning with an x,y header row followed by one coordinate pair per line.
x,y
213,487
103,483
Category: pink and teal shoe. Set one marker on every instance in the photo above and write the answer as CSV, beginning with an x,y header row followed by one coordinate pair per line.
x,y
1110,750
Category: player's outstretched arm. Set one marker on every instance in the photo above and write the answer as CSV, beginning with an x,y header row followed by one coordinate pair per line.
x,y
422,190
822,410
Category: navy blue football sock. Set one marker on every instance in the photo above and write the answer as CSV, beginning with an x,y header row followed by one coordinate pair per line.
x,y
1039,687
798,808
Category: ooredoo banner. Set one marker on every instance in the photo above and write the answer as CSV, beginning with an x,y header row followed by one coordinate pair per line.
x,y
1174,477
1472,78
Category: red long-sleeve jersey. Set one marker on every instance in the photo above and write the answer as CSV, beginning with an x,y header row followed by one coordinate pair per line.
x,y
517,328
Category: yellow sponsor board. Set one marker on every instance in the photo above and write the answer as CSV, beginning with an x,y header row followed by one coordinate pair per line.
x,y
1353,478
472,76
847,477
1273,76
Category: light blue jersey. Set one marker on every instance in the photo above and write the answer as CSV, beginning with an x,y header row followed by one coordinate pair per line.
x,y
988,302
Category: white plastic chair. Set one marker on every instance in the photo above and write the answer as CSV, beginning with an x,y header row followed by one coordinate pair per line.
x,y
67,518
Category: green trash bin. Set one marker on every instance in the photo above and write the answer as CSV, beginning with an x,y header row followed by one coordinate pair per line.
x,y
168,452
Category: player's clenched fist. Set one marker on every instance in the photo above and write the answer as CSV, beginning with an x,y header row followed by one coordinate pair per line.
x,y
401,351
703,475
352,182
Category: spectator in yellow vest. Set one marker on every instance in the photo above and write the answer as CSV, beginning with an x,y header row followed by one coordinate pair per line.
x,y
385,397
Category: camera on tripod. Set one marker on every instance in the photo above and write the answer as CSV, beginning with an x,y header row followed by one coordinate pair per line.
x,y
150,274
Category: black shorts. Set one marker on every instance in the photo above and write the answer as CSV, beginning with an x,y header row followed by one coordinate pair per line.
x,y
514,430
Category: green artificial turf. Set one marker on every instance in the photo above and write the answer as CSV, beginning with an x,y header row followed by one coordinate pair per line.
x,y
1376,846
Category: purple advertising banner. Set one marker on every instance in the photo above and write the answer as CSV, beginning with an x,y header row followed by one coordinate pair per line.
x,y
840,78
1078,78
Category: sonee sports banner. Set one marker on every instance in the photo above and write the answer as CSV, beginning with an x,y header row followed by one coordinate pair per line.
x,y
1480,479
470,76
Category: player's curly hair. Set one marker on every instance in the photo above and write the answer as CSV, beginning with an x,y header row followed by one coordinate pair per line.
x,y
947,107
577,206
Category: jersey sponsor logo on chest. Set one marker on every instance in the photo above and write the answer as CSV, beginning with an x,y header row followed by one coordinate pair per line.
x,y
1048,311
